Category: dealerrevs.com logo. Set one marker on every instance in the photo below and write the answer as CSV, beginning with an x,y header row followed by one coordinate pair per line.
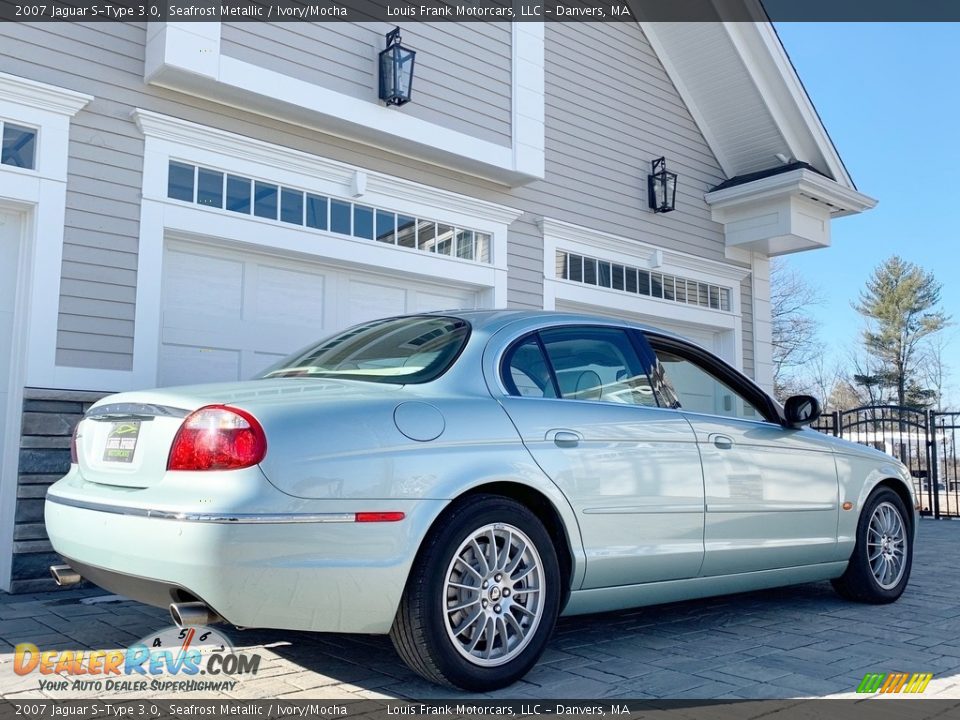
x,y
173,660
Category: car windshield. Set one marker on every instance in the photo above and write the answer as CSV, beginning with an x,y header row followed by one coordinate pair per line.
x,y
400,350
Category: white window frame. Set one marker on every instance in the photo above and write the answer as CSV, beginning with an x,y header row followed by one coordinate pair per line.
x,y
186,56
39,196
559,235
169,138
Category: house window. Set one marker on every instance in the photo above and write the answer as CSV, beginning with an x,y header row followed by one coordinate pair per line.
x,y
250,196
615,276
19,146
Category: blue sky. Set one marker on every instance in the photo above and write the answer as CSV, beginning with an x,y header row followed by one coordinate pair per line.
x,y
889,97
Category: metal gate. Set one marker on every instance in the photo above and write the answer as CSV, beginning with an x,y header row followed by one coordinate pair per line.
x,y
923,440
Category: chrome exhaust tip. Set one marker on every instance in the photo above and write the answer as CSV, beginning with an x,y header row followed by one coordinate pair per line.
x,y
193,613
64,575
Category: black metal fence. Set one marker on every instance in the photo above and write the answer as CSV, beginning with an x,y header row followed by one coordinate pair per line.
x,y
923,440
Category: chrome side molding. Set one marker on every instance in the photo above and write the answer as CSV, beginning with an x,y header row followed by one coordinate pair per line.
x,y
221,518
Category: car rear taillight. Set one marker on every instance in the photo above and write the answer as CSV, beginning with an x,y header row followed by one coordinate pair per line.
x,y
217,438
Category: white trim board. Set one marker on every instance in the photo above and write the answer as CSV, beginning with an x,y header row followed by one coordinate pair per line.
x,y
187,57
259,159
762,323
39,196
12,411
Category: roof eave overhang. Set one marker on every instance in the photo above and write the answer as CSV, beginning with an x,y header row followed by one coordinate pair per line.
x,y
785,213
840,199
769,74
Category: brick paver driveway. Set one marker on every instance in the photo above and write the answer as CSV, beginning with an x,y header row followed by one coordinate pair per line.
x,y
795,642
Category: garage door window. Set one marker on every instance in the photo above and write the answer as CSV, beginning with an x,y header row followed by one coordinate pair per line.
x,y
216,189
616,276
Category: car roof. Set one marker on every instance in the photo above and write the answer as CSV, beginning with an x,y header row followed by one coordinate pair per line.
x,y
493,320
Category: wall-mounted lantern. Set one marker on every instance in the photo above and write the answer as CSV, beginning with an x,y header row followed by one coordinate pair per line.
x,y
662,187
396,70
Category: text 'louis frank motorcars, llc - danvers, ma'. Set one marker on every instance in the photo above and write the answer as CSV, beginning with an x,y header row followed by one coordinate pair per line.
x,y
458,480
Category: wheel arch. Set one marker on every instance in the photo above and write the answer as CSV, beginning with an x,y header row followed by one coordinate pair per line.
x,y
563,530
904,493
859,581
541,506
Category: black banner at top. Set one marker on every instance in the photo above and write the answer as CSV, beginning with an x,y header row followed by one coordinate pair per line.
x,y
405,11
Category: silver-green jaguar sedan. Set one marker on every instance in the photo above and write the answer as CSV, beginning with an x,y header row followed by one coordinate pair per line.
x,y
458,480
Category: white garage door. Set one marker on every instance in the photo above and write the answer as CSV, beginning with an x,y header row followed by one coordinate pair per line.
x,y
228,314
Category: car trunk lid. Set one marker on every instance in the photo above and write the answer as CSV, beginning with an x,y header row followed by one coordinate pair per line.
x,y
127,443
125,439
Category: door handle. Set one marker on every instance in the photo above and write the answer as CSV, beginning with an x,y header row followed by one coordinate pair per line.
x,y
722,441
565,438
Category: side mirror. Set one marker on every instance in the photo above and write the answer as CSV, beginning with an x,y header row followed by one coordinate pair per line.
x,y
801,410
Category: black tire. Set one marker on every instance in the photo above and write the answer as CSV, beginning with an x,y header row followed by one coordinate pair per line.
x,y
859,582
420,630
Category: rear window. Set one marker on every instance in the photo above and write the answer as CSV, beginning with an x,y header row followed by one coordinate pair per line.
x,y
401,350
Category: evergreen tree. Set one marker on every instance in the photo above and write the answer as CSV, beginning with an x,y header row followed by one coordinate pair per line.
x,y
900,303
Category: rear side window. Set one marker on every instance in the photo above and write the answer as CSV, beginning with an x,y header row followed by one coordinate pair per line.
x,y
581,363
525,370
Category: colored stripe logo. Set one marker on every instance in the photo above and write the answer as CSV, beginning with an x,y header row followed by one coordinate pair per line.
x,y
888,683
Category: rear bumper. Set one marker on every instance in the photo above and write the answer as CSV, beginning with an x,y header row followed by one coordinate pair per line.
x,y
317,575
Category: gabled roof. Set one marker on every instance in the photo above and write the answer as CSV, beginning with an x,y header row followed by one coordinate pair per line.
x,y
746,97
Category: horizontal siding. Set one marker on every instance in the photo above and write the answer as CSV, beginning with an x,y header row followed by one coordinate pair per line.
x,y
746,305
607,117
462,78
610,109
525,259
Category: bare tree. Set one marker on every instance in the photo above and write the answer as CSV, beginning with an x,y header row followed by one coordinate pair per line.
x,y
824,375
845,396
935,372
794,328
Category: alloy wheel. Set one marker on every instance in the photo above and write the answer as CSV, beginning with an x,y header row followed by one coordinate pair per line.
x,y
887,545
493,595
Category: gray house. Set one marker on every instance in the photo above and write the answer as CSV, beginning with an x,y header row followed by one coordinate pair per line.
x,y
185,202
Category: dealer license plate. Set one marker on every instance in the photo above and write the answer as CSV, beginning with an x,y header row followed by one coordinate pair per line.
x,y
122,441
